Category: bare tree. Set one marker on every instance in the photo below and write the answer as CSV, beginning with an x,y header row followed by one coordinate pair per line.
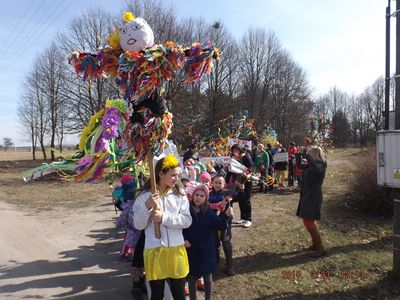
x,y
7,142
253,56
203,104
37,96
341,128
374,104
28,115
51,81
336,100
358,121
275,88
337,103
290,103
366,112
88,32
62,120
321,107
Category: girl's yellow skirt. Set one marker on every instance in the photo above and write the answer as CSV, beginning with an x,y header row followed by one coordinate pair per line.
x,y
166,262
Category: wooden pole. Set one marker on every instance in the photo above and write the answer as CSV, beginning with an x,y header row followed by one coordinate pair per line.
x,y
157,225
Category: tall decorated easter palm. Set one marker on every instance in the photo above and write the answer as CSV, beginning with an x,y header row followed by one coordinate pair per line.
x,y
138,125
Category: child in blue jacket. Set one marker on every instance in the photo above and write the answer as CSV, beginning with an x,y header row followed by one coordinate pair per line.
x,y
199,240
219,200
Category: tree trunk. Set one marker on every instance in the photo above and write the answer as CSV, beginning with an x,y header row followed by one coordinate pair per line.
x,y
52,144
43,150
33,144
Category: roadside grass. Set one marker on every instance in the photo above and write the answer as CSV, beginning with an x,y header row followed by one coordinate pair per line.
x,y
47,193
271,264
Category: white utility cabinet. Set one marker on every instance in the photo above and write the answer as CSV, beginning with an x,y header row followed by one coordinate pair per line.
x,y
388,158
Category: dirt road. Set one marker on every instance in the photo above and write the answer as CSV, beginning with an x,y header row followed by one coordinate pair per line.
x,y
61,255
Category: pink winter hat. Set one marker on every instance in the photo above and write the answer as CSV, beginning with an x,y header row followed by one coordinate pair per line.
x,y
203,188
190,188
205,176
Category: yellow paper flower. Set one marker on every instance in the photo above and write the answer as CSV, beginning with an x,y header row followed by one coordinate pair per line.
x,y
113,40
120,104
217,53
128,16
170,162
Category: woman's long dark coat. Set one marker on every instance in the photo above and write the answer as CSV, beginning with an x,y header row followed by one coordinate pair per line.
x,y
311,190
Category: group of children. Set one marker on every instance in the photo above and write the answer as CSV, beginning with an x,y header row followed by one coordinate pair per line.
x,y
267,167
195,220
195,215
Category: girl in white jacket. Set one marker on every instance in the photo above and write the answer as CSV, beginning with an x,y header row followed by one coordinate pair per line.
x,y
164,258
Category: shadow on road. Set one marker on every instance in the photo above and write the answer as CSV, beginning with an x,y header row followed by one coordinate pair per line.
x,y
93,269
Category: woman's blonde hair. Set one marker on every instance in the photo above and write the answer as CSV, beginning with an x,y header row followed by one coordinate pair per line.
x,y
317,153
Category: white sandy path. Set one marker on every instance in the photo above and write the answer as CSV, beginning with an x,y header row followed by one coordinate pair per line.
x,y
61,254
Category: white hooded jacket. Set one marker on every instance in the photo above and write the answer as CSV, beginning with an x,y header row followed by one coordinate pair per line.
x,y
176,216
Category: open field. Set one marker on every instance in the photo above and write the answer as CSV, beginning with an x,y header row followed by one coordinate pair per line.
x,y
11,155
58,240
19,155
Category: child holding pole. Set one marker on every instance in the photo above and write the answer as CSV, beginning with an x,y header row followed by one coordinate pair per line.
x,y
164,257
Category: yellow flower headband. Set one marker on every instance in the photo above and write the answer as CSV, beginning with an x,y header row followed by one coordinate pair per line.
x,y
170,162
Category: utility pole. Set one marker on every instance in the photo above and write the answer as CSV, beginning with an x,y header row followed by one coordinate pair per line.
x,y
397,94
387,68
388,160
396,191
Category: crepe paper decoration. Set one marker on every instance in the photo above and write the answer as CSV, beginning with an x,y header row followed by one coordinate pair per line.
x,y
199,61
45,169
142,72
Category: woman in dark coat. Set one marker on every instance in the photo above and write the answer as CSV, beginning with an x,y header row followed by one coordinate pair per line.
x,y
309,208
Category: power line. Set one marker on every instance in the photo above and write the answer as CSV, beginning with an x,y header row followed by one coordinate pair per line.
x,y
27,42
37,36
26,24
16,26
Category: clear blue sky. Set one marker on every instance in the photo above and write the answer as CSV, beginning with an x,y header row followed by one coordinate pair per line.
x,y
337,42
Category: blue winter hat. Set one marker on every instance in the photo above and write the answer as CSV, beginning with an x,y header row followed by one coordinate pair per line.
x,y
129,190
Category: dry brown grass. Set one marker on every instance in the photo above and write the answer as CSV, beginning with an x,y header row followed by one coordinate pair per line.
x,y
19,155
365,194
27,155
46,193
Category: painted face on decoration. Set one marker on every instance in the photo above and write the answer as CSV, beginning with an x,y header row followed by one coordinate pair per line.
x,y
136,35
